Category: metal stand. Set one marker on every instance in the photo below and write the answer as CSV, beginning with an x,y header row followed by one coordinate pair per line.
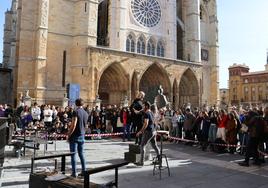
x,y
159,166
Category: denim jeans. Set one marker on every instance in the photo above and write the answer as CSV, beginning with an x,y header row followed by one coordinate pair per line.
x,y
175,130
77,143
148,136
212,132
126,131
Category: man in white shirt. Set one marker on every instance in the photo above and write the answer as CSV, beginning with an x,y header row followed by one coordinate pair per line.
x,y
35,112
48,117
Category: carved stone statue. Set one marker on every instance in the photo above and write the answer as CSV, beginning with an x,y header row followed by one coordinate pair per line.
x,y
27,93
161,100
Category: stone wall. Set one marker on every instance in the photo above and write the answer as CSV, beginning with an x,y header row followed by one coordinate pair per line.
x,y
5,86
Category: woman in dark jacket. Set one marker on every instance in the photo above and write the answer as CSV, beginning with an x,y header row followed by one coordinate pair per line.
x,y
203,129
231,131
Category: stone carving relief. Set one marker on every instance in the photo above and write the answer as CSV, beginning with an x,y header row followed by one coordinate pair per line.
x,y
44,13
43,40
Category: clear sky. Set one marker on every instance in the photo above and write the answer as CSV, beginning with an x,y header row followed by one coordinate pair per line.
x,y
243,33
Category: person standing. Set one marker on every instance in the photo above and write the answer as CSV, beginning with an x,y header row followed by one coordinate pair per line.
x,y
2,111
231,132
221,132
48,117
148,133
188,126
36,112
76,135
137,113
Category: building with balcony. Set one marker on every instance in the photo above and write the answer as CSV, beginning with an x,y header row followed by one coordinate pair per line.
x,y
248,88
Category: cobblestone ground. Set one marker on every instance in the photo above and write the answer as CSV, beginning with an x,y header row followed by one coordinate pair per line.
x,y
190,167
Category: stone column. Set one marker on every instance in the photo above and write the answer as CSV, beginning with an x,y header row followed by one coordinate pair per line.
x,y
171,29
85,35
214,54
122,25
41,50
193,30
113,25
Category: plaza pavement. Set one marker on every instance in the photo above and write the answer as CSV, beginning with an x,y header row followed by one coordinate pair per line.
x,y
190,167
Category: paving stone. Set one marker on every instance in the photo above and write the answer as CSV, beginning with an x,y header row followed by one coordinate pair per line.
x,y
190,167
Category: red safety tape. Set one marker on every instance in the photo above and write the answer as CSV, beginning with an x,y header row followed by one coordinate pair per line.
x,y
262,153
194,141
87,135
181,139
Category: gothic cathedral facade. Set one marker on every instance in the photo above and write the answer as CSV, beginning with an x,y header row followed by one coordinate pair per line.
x,y
114,48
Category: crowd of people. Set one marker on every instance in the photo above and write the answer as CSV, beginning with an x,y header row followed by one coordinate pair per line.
x,y
247,128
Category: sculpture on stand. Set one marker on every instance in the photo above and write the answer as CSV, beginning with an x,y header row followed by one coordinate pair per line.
x,y
27,100
161,100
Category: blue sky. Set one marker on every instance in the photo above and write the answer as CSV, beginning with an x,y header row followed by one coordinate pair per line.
x,y
243,33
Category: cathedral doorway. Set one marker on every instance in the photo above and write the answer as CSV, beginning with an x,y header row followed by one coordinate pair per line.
x,y
188,90
113,85
151,79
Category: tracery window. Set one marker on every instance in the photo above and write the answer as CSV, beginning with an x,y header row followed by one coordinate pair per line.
x,y
160,49
141,45
151,47
130,44
146,12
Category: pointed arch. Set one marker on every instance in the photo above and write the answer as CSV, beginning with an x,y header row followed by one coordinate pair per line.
x,y
113,84
151,79
131,42
141,45
189,89
160,48
151,47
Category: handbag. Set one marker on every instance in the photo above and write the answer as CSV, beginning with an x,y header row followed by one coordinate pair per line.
x,y
119,123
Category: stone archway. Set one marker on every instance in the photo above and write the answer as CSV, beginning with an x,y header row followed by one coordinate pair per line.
x,y
151,79
113,85
189,89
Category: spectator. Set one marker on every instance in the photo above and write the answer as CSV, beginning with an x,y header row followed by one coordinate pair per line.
x,y
223,118
2,111
188,126
48,117
35,112
231,132
26,117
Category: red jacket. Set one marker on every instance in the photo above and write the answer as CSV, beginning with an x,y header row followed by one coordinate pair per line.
x,y
125,117
223,122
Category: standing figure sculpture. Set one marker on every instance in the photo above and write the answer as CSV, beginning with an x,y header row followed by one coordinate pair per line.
x,y
161,100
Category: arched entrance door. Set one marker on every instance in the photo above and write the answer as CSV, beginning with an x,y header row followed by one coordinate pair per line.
x,y
113,85
152,78
188,89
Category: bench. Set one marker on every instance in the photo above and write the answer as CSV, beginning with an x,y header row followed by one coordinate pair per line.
x,y
69,182
62,156
102,169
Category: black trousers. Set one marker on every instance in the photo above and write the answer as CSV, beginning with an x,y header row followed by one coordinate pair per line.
x,y
252,149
